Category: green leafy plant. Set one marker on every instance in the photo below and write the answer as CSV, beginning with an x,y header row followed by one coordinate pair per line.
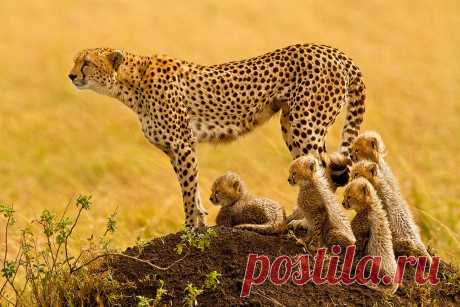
x,y
192,292
160,292
143,301
140,243
212,280
51,275
44,272
199,240
191,295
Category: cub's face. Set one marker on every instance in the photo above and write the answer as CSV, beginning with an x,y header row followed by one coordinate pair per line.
x,y
302,169
357,194
226,190
367,146
96,69
364,168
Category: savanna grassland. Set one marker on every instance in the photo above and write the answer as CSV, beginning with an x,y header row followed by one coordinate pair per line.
x,y
58,142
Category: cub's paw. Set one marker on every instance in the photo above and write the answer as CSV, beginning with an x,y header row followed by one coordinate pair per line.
x,y
298,224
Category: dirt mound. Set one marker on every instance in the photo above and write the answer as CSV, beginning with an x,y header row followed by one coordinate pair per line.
x,y
227,254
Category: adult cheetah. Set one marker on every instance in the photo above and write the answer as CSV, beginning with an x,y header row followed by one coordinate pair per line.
x,y
180,103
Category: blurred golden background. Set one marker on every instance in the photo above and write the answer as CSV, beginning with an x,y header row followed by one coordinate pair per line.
x,y
57,142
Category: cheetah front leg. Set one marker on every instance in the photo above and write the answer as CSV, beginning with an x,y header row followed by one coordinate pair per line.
x,y
183,156
186,167
313,240
287,132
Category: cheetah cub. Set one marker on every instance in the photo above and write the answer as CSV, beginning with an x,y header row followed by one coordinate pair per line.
x,y
369,146
242,210
405,233
337,172
322,214
370,226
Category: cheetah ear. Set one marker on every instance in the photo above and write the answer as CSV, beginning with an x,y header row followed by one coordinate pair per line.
x,y
373,169
116,59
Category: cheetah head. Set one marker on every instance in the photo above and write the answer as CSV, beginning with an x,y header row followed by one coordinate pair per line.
x,y
227,189
96,69
368,146
303,169
366,169
357,194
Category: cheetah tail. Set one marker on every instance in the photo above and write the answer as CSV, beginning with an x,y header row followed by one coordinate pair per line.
x,y
339,169
355,110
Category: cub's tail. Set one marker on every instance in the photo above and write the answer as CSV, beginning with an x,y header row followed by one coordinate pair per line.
x,y
263,228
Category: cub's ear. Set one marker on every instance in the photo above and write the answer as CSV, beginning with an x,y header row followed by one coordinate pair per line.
x,y
374,143
236,186
373,169
313,166
365,190
116,58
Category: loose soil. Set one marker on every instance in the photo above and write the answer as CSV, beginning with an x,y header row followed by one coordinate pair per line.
x,y
227,254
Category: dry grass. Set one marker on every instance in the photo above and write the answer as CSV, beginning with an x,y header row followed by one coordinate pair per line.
x,y
57,141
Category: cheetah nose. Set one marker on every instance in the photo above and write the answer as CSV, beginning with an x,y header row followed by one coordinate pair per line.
x,y
72,77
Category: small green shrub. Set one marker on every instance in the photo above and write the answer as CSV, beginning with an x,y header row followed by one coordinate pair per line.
x,y
161,291
44,272
200,240
191,294
143,301
212,280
